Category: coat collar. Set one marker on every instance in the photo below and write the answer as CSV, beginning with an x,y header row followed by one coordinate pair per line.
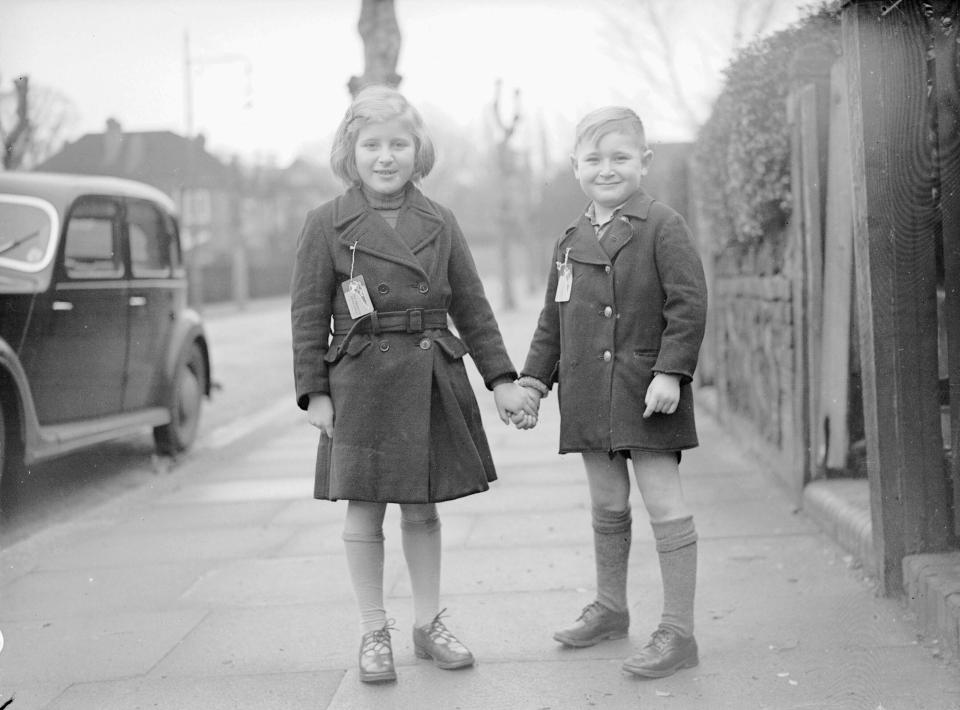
x,y
358,223
582,241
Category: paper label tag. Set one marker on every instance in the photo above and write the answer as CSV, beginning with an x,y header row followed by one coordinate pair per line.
x,y
358,300
564,282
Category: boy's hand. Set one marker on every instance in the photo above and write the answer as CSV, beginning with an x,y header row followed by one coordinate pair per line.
x,y
320,413
663,394
510,398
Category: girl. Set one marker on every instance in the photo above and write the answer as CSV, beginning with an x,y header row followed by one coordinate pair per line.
x,y
378,272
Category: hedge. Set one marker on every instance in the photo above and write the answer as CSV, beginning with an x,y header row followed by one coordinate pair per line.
x,y
742,152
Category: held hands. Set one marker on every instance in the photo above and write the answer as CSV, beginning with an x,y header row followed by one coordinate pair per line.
x,y
663,394
320,413
516,404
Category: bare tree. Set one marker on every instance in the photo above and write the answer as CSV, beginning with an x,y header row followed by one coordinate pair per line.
x,y
40,117
660,38
509,167
381,45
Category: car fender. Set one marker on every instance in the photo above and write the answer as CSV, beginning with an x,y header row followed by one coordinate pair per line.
x,y
188,329
13,381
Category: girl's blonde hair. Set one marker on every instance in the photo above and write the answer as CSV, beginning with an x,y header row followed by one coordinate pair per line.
x,y
609,119
377,104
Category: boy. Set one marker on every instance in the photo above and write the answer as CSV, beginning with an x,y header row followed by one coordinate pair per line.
x,y
620,331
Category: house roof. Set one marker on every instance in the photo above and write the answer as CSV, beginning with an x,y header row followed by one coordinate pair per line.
x,y
159,158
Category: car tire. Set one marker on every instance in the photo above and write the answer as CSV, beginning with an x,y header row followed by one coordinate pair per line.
x,y
189,387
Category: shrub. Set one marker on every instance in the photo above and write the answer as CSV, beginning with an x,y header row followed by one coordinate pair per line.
x,y
742,153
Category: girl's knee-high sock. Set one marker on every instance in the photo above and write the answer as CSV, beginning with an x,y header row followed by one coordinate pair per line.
x,y
421,548
611,544
365,561
677,548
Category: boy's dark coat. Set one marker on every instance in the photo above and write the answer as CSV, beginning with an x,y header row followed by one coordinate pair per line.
x,y
643,299
407,428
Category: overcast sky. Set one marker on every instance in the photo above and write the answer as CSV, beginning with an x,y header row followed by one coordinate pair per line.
x,y
270,77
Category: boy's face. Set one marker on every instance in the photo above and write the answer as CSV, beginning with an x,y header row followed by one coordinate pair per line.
x,y
611,169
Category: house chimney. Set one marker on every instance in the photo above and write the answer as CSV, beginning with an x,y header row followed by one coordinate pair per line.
x,y
112,142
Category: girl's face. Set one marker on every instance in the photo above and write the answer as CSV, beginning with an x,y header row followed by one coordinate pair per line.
x,y
385,154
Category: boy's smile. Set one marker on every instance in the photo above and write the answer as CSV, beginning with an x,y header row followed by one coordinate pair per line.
x,y
611,169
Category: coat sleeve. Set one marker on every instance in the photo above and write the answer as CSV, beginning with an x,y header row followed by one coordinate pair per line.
x,y
311,303
472,314
543,358
685,299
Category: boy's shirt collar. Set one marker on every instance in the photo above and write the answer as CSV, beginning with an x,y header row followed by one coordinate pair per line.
x,y
637,206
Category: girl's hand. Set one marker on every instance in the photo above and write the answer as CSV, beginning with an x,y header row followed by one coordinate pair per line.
x,y
510,398
663,394
522,420
320,413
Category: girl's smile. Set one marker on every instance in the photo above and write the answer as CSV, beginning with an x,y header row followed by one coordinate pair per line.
x,y
386,155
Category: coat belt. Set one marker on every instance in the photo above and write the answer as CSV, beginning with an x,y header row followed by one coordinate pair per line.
x,y
414,320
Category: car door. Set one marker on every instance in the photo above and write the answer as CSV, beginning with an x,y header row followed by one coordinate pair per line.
x,y
76,345
152,300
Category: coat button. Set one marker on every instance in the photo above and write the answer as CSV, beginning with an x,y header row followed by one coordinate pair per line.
x,y
423,287
607,312
607,356
607,268
383,289
384,346
425,344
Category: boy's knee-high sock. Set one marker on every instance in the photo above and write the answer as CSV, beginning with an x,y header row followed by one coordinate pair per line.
x,y
365,561
421,548
612,535
677,548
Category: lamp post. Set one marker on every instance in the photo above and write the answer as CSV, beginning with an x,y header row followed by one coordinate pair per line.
x,y
239,269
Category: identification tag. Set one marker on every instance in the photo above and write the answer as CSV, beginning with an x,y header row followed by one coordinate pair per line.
x,y
565,280
358,300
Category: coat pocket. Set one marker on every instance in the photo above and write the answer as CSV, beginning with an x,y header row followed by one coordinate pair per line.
x,y
354,348
452,346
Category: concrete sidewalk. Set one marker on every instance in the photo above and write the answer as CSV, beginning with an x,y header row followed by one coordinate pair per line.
x,y
223,585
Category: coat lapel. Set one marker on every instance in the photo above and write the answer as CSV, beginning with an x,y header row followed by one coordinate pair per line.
x,y
359,224
419,225
582,240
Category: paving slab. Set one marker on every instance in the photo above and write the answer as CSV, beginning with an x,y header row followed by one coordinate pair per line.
x,y
286,691
104,647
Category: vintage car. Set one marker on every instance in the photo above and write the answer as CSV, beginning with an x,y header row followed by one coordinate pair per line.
x,y
96,339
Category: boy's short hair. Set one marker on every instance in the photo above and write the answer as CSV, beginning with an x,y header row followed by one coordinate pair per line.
x,y
609,119
377,104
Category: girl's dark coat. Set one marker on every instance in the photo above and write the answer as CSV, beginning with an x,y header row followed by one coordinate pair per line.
x,y
637,306
407,428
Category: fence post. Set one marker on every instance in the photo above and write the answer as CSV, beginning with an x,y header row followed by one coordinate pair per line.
x,y
895,222
807,111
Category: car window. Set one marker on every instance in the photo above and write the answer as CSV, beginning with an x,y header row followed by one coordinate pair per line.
x,y
26,229
91,249
150,241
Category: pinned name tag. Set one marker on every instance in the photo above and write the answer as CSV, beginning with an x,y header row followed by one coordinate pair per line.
x,y
565,279
358,300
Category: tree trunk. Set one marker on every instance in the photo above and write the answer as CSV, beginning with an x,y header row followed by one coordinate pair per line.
x,y
381,45
15,142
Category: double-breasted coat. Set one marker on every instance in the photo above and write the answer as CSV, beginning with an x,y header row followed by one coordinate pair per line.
x,y
637,306
407,428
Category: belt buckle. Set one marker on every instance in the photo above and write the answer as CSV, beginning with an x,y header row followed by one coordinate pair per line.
x,y
415,320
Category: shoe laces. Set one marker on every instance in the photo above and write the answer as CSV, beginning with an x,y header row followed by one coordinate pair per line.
x,y
660,638
437,631
377,641
592,609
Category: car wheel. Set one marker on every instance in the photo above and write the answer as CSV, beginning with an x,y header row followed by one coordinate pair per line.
x,y
189,388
